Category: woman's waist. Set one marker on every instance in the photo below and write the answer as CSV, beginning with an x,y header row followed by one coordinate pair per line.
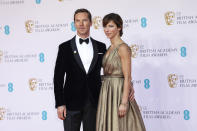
x,y
113,76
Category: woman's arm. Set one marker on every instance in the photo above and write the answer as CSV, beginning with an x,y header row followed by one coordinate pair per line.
x,y
125,56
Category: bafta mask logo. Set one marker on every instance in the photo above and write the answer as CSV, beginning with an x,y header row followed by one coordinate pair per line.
x,y
1,55
170,18
60,0
97,20
32,84
172,80
29,26
2,113
134,50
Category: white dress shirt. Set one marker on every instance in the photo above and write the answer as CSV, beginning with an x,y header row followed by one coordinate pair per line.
x,y
85,52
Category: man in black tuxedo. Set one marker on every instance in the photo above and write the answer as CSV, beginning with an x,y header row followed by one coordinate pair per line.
x,y
80,58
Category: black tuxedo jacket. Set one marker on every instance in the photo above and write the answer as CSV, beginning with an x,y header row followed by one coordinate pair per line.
x,y
78,85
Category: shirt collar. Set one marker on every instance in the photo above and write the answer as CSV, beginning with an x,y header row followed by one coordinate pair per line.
x,y
78,37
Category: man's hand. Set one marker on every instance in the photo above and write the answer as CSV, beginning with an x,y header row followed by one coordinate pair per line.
x,y
131,94
61,112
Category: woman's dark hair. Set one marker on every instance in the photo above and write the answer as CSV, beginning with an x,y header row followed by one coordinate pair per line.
x,y
82,10
115,18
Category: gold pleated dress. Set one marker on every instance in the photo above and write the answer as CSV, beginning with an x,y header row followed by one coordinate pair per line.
x,y
110,99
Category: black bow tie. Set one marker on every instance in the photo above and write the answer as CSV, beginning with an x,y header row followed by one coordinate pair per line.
x,y
85,40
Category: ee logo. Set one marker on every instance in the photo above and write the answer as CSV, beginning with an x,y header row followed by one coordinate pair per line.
x,y
41,57
44,115
7,30
10,87
147,83
73,26
143,22
186,114
38,1
183,51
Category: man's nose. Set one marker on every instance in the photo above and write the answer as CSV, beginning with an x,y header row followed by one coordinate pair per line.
x,y
81,23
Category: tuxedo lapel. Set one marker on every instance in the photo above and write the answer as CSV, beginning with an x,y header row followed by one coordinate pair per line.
x,y
95,56
76,54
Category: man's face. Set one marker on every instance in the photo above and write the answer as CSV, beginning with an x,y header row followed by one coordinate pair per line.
x,y
82,24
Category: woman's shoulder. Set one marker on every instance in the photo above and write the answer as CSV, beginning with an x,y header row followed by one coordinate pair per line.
x,y
124,48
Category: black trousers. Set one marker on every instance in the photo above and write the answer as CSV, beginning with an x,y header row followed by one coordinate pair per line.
x,y
87,116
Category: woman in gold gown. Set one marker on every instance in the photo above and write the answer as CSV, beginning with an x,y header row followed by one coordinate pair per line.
x,y
115,112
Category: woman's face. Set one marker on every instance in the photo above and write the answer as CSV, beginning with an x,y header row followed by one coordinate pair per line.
x,y
111,30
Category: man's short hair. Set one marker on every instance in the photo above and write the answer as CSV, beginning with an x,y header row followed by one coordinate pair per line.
x,y
82,10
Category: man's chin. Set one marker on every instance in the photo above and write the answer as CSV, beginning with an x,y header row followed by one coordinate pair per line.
x,y
82,33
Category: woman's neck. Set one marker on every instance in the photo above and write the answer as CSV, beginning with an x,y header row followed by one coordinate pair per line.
x,y
116,41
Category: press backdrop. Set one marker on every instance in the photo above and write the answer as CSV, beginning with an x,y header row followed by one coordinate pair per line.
x,y
161,34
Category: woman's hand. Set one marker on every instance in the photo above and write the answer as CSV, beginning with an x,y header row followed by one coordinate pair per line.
x,y
122,110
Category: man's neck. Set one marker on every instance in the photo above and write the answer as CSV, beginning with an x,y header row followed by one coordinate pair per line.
x,y
83,36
